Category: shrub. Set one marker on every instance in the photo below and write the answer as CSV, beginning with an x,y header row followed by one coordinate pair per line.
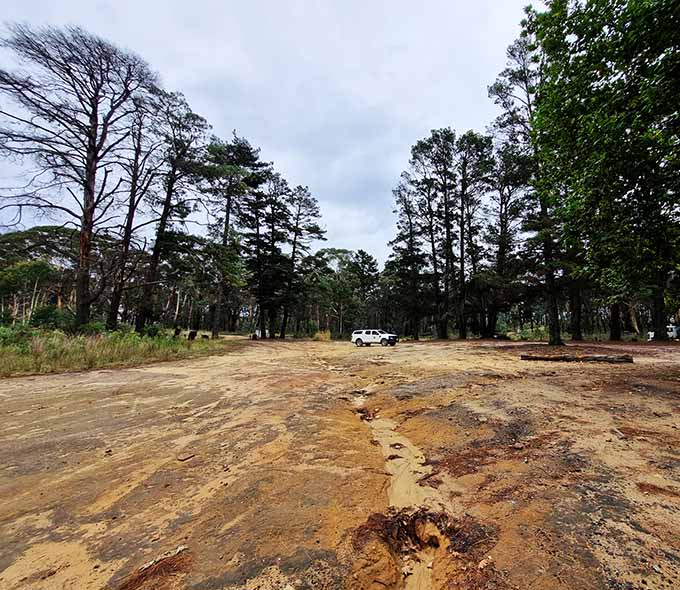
x,y
91,328
538,333
24,349
18,335
51,318
6,317
322,336
152,330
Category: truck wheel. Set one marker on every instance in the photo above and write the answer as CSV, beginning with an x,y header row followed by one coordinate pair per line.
x,y
384,342
359,342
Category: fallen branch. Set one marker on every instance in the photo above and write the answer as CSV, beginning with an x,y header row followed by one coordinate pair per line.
x,y
584,358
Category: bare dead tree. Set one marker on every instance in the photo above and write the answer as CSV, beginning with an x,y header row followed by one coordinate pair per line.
x,y
71,96
184,137
141,162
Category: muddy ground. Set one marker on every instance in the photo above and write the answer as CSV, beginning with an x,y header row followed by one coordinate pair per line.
x,y
320,465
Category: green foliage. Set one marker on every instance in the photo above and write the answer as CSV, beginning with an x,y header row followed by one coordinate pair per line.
x,y
91,328
51,318
24,275
28,350
152,330
608,141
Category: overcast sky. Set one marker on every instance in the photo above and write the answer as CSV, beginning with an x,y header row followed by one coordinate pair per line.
x,y
334,92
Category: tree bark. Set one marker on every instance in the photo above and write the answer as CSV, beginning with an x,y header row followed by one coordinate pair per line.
x,y
126,240
83,301
219,287
576,309
462,320
550,284
659,313
615,322
145,312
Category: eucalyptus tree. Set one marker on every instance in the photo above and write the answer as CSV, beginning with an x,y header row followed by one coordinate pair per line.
x,y
140,163
69,103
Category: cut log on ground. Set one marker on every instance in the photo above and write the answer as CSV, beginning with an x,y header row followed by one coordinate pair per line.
x,y
579,358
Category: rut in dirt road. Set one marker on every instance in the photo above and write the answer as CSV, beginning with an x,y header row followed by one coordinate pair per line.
x,y
405,464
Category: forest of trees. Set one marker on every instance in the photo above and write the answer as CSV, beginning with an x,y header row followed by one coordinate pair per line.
x,y
561,218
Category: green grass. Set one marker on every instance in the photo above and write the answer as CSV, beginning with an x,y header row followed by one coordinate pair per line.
x,y
33,351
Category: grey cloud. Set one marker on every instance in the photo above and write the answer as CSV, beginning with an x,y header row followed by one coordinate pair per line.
x,y
333,92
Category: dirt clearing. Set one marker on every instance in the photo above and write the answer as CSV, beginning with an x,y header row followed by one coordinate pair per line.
x,y
320,465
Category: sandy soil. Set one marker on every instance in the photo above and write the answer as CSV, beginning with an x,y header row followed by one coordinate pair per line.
x,y
320,465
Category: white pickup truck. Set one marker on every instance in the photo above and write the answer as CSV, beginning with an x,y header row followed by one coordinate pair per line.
x,y
368,337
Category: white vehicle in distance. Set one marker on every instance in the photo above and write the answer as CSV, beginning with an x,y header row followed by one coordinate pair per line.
x,y
368,337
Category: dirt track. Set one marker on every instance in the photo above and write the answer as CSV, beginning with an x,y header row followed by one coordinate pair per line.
x,y
319,465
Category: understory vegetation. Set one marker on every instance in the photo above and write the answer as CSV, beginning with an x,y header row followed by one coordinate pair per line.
x,y
30,350
560,219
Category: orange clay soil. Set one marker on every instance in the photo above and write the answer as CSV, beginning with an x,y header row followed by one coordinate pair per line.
x,y
305,465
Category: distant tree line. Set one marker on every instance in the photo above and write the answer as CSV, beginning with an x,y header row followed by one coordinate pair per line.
x,y
562,217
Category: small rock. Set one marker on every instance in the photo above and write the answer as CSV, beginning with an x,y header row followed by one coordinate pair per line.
x,y
429,565
518,445
185,456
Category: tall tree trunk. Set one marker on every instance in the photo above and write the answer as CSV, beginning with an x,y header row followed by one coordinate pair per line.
x,y
219,287
134,198
448,266
145,312
272,322
635,327
440,320
576,313
289,288
262,322
659,313
615,322
83,301
550,283
284,322
119,280
492,320
462,320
